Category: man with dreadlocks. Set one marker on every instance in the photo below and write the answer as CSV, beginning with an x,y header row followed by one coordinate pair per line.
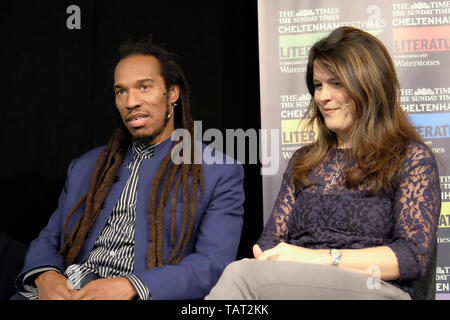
x,y
130,222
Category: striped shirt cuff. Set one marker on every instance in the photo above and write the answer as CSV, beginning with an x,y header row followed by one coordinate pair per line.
x,y
28,278
27,282
141,288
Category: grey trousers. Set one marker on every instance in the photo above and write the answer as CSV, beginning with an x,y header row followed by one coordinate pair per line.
x,y
280,280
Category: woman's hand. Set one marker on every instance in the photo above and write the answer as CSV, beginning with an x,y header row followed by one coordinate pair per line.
x,y
289,252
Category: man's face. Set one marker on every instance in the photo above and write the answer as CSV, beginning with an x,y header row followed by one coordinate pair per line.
x,y
142,99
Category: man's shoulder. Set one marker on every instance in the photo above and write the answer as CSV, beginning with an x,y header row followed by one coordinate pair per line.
x,y
216,157
89,157
221,171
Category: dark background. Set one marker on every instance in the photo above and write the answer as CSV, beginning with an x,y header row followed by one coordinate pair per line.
x,y
57,99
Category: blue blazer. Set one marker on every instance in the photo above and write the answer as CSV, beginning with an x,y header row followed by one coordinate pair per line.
x,y
213,244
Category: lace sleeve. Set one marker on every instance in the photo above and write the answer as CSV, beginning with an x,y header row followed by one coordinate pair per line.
x,y
416,212
276,230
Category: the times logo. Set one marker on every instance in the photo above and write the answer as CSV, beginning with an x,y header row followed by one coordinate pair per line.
x,y
442,274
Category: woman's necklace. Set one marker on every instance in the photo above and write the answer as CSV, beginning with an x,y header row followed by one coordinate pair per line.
x,y
339,167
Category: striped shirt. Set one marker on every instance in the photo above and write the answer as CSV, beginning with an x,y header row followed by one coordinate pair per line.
x,y
113,251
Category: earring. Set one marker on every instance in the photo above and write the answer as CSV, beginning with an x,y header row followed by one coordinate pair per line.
x,y
170,114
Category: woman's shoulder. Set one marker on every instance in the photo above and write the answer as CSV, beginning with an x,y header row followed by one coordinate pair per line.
x,y
418,155
300,152
416,151
295,158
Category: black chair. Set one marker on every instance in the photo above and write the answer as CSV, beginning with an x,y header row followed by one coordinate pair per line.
x,y
12,255
425,288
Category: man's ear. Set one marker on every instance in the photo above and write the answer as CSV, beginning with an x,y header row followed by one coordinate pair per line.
x,y
174,93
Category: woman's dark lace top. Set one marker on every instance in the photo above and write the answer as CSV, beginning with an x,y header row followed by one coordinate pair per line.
x,y
326,214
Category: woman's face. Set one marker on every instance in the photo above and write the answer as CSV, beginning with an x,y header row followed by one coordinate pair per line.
x,y
334,101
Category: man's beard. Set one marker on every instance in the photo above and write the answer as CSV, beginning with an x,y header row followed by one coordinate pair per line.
x,y
148,139
144,140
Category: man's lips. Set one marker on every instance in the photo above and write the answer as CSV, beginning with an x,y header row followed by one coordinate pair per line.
x,y
136,119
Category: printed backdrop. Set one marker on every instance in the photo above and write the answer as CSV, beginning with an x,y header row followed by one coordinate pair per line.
x,y
417,34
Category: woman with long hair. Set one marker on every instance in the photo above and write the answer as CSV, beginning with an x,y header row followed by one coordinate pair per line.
x,y
357,212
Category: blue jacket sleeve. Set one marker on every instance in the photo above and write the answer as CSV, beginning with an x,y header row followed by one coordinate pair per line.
x,y
43,251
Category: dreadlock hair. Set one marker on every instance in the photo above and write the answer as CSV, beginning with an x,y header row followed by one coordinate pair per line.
x,y
169,176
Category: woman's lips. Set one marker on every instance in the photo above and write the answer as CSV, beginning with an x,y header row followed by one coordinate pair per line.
x,y
330,110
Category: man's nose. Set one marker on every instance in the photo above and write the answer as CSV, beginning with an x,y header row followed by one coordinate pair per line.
x,y
133,100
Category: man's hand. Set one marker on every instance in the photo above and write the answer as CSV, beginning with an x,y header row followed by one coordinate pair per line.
x,y
106,289
52,286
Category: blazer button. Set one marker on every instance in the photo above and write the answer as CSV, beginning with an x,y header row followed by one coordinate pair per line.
x,y
116,179
103,206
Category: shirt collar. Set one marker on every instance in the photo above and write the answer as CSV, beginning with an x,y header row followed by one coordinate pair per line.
x,y
143,150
